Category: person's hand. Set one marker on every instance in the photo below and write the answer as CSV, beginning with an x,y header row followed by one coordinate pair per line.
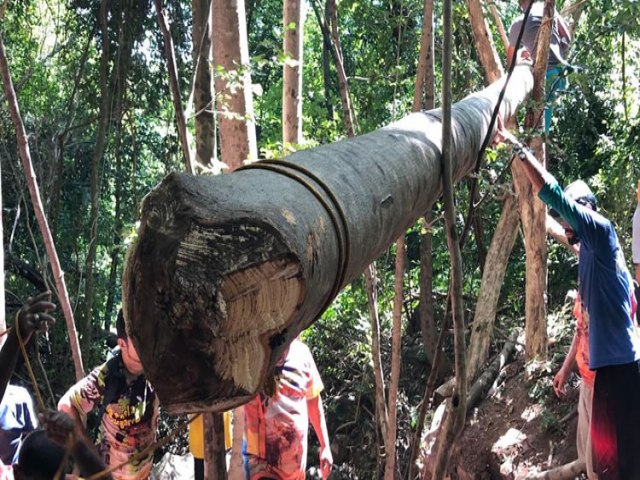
x,y
560,381
503,135
638,191
33,316
59,426
524,57
326,461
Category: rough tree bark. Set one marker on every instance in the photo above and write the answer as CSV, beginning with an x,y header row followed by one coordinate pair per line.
x,y
227,270
174,84
235,105
532,211
203,84
425,89
499,25
34,193
293,24
492,278
492,66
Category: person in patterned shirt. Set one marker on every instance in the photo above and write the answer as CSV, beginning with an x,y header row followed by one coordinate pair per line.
x,y
276,425
127,409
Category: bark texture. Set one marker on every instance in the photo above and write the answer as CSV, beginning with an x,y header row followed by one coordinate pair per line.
x,y
492,278
203,84
486,49
228,270
533,212
233,82
174,84
293,20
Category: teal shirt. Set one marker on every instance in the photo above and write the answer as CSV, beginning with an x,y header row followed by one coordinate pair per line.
x,y
604,282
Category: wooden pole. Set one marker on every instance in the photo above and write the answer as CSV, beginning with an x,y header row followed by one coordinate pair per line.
x,y
34,193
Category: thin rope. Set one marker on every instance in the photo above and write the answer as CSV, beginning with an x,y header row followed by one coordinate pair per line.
x,y
485,142
338,219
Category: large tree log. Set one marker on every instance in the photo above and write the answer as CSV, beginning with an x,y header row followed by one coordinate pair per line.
x,y
227,270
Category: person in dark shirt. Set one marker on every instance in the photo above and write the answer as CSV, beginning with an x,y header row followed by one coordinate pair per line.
x,y
605,289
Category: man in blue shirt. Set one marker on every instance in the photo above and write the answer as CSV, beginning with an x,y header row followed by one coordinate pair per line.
x,y
605,289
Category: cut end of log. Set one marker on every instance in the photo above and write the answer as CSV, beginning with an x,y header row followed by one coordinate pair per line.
x,y
208,306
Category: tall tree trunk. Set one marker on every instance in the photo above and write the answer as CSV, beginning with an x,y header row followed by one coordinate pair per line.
x,y
492,279
532,211
457,405
203,88
326,53
423,91
394,381
424,96
293,20
484,41
86,327
231,54
497,19
34,193
347,110
231,268
174,85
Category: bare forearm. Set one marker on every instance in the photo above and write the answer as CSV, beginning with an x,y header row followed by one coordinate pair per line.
x,y
570,360
316,417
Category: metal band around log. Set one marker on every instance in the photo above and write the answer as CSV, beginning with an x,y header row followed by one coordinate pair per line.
x,y
298,173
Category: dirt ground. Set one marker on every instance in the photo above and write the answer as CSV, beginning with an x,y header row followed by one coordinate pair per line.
x,y
521,428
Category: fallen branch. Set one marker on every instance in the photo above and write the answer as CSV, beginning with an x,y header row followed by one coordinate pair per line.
x,y
563,472
489,375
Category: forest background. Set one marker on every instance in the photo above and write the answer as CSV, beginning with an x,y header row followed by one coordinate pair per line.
x,y
97,151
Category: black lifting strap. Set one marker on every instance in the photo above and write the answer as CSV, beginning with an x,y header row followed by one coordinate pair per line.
x,y
487,137
329,202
